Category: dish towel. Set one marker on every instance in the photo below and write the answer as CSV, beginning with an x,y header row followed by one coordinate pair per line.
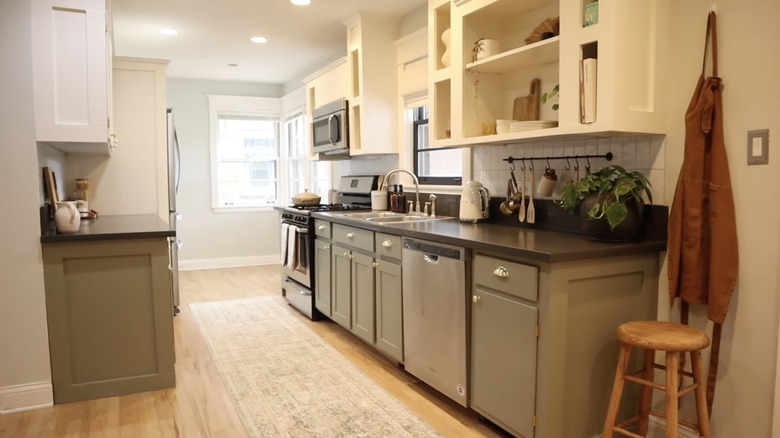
x,y
292,247
283,249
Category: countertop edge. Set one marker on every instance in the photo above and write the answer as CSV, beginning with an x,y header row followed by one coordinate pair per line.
x,y
117,227
581,248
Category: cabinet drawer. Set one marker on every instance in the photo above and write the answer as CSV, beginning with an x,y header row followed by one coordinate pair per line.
x,y
355,237
322,228
388,245
505,276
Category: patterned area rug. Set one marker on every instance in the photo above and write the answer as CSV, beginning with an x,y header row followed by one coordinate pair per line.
x,y
286,381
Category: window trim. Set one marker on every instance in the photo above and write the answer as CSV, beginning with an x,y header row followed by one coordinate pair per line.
x,y
258,106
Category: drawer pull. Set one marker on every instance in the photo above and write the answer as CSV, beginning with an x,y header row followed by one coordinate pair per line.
x,y
501,272
475,298
320,227
326,247
387,244
350,235
346,255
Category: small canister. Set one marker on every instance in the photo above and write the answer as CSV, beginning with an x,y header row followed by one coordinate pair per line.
x,y
379,200
547,183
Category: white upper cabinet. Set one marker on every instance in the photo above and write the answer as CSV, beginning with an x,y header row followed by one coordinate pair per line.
x,y
326,85
71,74
371,91
469,93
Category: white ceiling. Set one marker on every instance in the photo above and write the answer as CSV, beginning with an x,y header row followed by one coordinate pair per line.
x,y
213,34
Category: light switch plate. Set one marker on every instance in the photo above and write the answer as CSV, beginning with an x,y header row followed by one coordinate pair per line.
x,y
758,146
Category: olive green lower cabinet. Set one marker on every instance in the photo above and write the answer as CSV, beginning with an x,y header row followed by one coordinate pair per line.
x,y
543,347
110,317
359,287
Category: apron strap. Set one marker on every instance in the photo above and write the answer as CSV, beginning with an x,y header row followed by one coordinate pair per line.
x,y
712,373
711,28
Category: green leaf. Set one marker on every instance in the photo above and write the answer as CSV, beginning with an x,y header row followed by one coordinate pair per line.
x,y
616,213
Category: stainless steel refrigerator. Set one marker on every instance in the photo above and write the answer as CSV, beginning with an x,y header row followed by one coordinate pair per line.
x,y
174,243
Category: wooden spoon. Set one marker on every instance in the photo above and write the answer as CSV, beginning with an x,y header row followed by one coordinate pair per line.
x,y
531,211
521,214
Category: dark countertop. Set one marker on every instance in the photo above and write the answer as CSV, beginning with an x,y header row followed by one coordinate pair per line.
x,y
506,240
134,226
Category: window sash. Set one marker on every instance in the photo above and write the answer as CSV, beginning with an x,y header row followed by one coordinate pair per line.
x,y
423,154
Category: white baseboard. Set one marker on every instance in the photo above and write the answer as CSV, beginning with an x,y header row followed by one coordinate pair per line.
x,y
26,397
229,262
657,429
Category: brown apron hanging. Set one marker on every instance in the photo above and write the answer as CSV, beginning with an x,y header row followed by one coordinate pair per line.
x,y
702,234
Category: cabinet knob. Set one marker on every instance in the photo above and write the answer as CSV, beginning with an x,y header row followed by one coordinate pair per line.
x,y
346,255
320,227
501,272
326,247
350,234
387,244
375,264
475,298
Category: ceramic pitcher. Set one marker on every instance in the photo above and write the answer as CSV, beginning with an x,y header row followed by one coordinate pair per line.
x,y
67,218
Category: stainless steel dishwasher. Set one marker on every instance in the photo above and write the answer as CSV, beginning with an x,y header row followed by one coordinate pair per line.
x,y
434,304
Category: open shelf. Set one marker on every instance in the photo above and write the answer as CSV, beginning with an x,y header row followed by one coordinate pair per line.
x,y
538,53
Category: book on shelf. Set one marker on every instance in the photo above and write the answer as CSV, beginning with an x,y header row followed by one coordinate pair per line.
x,y
588,81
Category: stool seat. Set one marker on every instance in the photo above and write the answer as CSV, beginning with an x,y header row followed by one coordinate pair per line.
x,y
675,340
662,335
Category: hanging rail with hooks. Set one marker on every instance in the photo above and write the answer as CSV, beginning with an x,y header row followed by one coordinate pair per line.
x,y
608,156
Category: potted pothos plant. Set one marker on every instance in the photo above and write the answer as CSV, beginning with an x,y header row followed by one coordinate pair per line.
x,y
609,202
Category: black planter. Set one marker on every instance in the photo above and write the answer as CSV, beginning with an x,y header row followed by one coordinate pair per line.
x,y
598,229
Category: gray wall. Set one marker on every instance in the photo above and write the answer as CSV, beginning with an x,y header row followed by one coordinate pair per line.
x,y
215,239
25,377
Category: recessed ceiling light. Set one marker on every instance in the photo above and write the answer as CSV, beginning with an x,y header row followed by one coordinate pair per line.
x,y
300,2
168,31
259,39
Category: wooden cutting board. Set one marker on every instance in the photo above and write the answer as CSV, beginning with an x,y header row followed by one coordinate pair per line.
x,y
527,108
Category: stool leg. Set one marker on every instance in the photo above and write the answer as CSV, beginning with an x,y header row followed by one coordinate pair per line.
x,y
617,390
672,396
647,392
700,393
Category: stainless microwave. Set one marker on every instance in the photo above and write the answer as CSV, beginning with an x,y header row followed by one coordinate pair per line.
x,y
330,128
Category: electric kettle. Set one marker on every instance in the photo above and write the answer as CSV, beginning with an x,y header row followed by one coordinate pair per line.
x,y
474,202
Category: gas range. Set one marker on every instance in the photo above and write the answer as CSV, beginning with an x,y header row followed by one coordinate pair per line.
x,y
301,214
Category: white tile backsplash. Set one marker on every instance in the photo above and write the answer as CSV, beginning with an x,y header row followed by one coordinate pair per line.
x,y
644,153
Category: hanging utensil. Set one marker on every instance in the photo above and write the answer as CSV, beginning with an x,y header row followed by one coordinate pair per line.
x,y
531,212
521,213
512,173
505,206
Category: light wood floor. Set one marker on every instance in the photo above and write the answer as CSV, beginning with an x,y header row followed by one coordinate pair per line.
x,y
199,406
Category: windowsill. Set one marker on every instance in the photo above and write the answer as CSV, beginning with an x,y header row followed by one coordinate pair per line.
x,y
222,210
448,190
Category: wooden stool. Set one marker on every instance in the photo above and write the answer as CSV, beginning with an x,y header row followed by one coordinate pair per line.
x,y
675,339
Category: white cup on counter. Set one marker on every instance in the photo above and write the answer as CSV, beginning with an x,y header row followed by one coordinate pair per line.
x,y
379,200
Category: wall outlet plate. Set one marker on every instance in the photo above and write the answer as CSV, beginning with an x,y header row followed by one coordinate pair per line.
x,y
758,146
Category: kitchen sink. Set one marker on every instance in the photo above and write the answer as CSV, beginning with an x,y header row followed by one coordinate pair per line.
x,y
387,217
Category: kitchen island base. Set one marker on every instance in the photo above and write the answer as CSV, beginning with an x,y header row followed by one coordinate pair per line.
x,y
110,318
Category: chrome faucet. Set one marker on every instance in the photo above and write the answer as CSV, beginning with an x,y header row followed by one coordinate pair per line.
x,y
416,186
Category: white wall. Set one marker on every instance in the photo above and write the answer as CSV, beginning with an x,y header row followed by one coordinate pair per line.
x,y
215,239
25,376
749,66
